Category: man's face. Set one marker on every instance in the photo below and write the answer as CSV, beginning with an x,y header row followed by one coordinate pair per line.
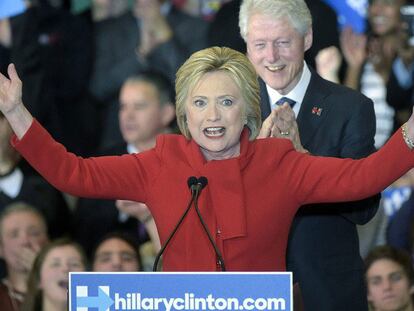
x,y
115,255
389,288
140,113
276,50
21,232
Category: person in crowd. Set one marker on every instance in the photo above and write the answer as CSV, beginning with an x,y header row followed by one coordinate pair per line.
x,y
52,49
400,231
116,252
154,36
369,58
146,110
204,8
47,286
19,184
19,45
390,279
140,211
218,112
373,233
400,86
333,121
23,232
66,49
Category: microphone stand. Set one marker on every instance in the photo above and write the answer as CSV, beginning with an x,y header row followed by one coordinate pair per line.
x,y
191,182
195,185
202,184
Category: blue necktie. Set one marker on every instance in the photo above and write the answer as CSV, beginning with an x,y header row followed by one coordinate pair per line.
x,y
283,100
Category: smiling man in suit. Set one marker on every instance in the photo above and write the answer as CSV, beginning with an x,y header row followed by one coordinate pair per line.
x,y
333,121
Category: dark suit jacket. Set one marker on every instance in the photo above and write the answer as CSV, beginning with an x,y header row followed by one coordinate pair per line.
x,y
323,248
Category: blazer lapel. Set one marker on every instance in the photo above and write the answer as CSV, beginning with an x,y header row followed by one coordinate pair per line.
x,y
314,109
264,100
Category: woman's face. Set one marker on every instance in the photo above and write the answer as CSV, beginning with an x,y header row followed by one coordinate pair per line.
x,y
54,273
115,255
384,16
214,111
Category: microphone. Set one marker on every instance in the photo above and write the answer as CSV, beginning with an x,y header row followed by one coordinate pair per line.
x,y
192,182
201,184
197,184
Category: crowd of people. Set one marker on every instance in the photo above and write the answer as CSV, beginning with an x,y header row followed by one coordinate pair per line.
x,y
101,82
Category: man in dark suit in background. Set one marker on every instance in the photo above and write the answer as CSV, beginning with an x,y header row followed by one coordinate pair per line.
x,y
146,109
323,250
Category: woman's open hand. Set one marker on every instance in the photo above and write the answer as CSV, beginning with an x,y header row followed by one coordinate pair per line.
x,y
11,104
10,90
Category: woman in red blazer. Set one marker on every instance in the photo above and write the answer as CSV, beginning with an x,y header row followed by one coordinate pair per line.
x,y
254,186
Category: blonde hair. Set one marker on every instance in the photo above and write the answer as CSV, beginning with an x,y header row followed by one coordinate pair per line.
x,y
295,10
237,66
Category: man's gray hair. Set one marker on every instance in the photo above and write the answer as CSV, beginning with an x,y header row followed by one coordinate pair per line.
x,y
295,10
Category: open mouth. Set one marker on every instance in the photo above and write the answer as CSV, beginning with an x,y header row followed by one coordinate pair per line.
x,y
214,131
379,20
63,284
131,127
275,68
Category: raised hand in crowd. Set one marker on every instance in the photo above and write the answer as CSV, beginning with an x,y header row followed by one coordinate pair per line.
x,y
328,61
354,49
353,46
155,30
143,214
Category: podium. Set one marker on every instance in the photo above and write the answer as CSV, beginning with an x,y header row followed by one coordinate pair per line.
x,y
93,291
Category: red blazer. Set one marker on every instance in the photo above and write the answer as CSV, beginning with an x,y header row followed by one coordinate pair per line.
x,y
249,201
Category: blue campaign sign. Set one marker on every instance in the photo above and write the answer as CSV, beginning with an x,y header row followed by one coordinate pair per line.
x,y
92,291
351,13
9,8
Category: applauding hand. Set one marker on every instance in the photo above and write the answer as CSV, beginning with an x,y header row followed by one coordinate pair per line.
x,y
281,123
